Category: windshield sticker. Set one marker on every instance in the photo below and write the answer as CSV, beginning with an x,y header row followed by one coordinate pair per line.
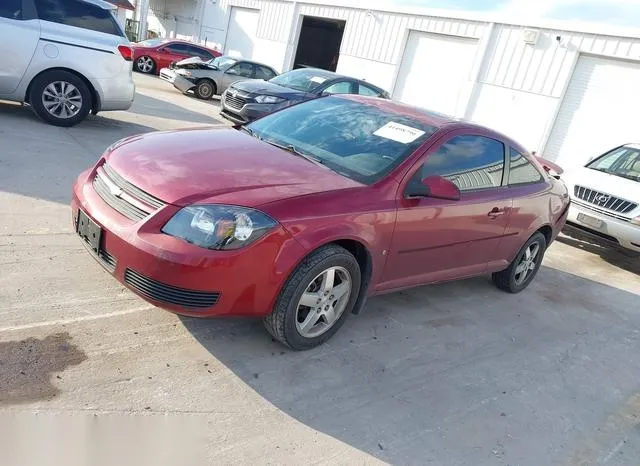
x,y
399,132
318,79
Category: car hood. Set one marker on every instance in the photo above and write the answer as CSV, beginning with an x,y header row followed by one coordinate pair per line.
x,y
603,182
194,63
218,166
265,87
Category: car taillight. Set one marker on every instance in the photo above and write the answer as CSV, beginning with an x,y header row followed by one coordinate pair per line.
x,y
126,52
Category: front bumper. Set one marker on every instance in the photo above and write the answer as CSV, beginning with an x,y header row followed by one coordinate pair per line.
x,y
612,231
179,82
175,275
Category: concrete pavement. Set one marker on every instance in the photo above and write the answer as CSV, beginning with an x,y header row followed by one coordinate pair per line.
x,y
453,374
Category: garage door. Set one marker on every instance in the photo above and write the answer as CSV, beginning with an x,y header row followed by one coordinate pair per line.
x,y
434,71
599,111
241,33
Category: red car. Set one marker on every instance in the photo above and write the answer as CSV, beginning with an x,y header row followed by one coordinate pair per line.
x,y
151,55
301,215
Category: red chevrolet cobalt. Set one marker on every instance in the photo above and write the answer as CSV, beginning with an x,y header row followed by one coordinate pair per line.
x,y
300,216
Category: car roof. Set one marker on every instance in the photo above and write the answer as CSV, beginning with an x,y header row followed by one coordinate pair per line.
x,y
428,117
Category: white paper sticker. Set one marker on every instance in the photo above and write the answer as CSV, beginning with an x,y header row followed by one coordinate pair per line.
x,y
318,79
399,132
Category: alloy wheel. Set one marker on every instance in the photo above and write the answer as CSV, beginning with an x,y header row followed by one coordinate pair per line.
x,y
528,263
323,302
62,99
145,64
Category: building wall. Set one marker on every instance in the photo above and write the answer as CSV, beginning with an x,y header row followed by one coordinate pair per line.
x,y
514,87
173,18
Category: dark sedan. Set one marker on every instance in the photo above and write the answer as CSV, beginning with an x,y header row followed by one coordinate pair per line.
x,y
246,101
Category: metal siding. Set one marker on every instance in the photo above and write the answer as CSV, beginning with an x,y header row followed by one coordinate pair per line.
x,y
544,68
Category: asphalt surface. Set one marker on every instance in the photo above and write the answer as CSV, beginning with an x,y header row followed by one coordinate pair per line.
x,y
452,374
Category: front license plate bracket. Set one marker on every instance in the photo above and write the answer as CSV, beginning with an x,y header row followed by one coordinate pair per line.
x,y
89,231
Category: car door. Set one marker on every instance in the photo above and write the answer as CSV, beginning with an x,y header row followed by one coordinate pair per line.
x,y
435,239
19,33
239,72
175,51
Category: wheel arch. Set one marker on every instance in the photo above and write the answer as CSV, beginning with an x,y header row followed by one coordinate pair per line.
x,y
547,231
95,97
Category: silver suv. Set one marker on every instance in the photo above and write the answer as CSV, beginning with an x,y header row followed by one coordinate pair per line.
x,y
65,58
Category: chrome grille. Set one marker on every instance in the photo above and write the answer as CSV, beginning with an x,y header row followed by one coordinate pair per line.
x,y
122,196
604,200
235,103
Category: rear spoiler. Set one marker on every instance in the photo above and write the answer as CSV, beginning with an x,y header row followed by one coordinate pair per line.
x,y
551,168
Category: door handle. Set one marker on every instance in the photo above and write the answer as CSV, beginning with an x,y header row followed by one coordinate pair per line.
x,y
495,212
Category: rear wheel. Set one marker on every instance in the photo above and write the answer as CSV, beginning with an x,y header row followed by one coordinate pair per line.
x,y
60,98
205,89
145,65
524,267
316,300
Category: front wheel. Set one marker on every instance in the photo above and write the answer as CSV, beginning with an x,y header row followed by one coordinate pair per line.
x,y
316,300
524,267
205,89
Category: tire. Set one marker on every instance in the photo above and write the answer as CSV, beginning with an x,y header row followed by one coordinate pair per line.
x,y
76,100
284,323
205,89
145,64
510,279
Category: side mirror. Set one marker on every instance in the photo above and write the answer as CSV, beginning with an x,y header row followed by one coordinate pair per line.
x,y
437,187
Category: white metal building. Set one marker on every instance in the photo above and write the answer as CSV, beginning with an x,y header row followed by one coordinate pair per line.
x,y
566,91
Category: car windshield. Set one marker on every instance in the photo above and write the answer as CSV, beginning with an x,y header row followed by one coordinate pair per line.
x,y
301,80
358,140
623,161
152,42
222,62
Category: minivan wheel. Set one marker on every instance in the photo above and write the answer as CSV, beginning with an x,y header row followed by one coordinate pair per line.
x,y
205,89
524,267
60,98
145,65
316,300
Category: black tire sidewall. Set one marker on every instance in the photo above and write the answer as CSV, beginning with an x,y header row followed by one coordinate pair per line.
x,y
345,260
541,240
42,81
210,84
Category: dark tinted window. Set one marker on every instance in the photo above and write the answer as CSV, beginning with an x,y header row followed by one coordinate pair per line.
x,y
11,9
198,52
78,14
181,49
368,91
471,162
262,72
521,171
360,141
243,69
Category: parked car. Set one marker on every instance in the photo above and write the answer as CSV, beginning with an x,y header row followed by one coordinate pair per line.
x,y
299,216
605,198
213,77
64,58
247,100
151,55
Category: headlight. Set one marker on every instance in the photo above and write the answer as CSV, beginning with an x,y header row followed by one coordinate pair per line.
x,y
184,72
219,226
268,99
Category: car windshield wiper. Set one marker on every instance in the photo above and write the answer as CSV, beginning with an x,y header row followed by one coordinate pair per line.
x,y
250,131
295,151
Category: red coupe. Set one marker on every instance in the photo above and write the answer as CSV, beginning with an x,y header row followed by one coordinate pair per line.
x,y
151,55
301,215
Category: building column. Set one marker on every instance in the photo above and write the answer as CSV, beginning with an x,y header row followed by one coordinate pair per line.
x,y
142,10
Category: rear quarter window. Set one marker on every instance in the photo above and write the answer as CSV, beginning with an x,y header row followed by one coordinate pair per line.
x,y
521,171
79,14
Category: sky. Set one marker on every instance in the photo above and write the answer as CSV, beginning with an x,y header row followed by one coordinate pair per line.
x,y
614,12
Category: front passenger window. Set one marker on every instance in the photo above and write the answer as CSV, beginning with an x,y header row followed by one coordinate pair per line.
x,y
11,9
241,69
343,87
470,162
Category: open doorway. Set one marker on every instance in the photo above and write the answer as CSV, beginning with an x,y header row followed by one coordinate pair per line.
x,y
319,43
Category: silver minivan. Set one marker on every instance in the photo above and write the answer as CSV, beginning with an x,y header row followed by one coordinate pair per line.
x,y
65,58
